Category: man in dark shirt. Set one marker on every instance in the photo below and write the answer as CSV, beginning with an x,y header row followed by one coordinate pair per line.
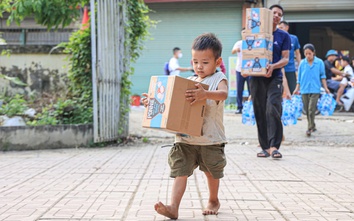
x,y
333,75
267,91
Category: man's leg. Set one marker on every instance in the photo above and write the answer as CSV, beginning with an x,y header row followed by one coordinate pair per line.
x,y
259,98
247,79
213,203
333,85
178,189
240,85
273,114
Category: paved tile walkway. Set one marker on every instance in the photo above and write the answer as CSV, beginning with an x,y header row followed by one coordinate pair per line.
x,y
123,183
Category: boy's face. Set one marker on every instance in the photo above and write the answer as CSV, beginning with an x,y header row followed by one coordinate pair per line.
x,y
343,63
204,63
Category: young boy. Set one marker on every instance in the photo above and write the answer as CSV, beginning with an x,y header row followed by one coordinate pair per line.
x,y
206,151
348,76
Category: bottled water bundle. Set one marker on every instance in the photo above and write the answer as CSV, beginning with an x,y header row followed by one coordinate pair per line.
x,y
248,114
298,105
326,104
289,115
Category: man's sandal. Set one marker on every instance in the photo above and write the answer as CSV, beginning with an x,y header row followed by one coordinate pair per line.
x,y
276,154
263,153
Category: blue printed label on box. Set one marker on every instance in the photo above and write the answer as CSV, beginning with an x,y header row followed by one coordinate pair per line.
x,y
253,22
255,65
156,105
257,42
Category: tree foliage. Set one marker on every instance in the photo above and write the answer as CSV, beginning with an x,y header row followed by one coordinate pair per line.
x,y
55,13
50,13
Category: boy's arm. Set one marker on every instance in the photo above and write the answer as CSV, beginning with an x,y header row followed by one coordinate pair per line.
x,y
201,94
184,69
145,99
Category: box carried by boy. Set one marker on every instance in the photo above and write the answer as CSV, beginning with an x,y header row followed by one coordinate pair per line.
x,y
168,108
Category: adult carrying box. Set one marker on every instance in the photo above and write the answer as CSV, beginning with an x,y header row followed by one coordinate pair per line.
x,y
168,108
259,20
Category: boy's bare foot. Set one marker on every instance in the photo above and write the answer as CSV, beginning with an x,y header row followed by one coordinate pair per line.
x,y
167,211
212,208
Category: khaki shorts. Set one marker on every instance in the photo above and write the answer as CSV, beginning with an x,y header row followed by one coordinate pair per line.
x,y
184,159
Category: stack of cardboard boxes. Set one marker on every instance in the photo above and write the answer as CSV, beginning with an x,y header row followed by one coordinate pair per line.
x,y
257,41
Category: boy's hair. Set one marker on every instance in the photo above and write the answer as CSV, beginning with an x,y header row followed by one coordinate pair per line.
x,y
176,49
277,6
208,41
346,58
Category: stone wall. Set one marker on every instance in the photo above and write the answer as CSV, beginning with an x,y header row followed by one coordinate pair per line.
x,y
45,137
42,68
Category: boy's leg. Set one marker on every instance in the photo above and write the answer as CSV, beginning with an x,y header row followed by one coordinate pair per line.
x,y
340,93
213,203
178,189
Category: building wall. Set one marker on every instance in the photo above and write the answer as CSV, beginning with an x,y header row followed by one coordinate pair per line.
x,y
317,5
42,72
178,25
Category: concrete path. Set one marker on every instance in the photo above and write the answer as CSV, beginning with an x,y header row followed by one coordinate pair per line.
x,y
314,180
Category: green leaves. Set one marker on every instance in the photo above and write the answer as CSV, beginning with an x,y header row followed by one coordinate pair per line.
x,y
77,106
49,13
14,80
16,106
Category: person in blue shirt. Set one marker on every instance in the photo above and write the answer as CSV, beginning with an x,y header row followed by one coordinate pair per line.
x,y
266,92
310,75
294,53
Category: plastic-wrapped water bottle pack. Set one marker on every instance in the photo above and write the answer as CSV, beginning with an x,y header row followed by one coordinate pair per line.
x,y
289,114
248,113
298,105
326,104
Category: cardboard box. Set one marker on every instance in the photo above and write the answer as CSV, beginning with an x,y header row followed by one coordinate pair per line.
x,y
168,108
257,43
255,65
259,20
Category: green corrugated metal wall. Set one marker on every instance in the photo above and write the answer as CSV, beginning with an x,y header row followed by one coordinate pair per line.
x,y
179,24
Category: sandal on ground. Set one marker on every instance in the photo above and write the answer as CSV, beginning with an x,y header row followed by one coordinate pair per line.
x,y
276,154
308,133
263,153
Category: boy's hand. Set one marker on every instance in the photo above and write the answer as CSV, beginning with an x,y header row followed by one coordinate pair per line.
x,y
196,94
145,99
